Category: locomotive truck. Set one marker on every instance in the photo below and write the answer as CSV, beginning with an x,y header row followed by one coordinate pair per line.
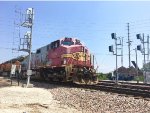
x,y
66,59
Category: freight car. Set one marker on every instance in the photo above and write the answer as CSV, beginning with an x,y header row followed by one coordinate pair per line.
x,y
5,68
66,59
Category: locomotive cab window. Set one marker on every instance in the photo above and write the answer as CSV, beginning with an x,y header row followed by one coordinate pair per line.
x,y
77,42
55,44
48,47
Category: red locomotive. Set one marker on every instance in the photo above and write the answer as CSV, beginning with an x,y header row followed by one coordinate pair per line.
x,y
66,59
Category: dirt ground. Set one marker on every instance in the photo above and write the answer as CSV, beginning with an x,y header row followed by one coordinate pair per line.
x,y
16,99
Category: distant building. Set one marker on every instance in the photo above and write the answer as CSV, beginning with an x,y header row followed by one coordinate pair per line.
x,y
127,73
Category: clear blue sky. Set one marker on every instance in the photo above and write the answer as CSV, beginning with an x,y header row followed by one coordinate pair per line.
x,y
91,22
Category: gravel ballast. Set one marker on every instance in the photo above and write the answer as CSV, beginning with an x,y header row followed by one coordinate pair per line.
x,y
94,101
100,102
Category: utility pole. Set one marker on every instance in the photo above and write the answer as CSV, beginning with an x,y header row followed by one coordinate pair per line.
x,y
122,52
136,65
116,61
144,59
27,40
148,48
129,44
143,42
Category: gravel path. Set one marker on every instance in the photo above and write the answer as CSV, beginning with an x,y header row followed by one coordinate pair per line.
x,y
30,100
16,99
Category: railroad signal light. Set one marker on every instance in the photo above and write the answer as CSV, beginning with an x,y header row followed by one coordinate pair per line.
x,y
111,48
138,36
134,63
113,35
139,47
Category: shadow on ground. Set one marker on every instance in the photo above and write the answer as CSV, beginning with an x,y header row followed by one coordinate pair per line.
x,y
6,82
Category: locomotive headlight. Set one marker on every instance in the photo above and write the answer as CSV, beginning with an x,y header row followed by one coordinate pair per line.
x,y
65,61
82,48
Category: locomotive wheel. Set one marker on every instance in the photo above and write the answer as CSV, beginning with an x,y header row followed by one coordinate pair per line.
x,y
46,76
79,78
75,79
63,73
87,81
37,76
23,75
87,78
41,75
95,79
60,79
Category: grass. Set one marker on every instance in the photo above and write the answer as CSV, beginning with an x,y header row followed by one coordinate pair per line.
x,y
102,76
140,78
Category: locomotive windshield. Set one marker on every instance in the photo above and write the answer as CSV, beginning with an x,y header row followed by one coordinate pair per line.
x,y
67,41
70,41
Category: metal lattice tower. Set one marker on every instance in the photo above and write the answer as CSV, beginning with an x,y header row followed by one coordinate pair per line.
x,y
16,31
26,41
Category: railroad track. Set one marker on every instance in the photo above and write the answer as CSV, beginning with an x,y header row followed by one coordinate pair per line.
x,y
123,89
126,89
124,82
127,85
